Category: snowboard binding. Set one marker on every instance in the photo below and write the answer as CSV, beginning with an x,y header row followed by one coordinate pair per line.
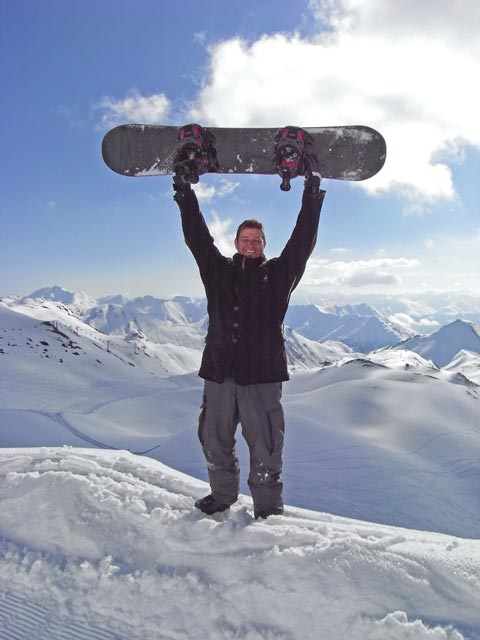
x,y
195,154
290,145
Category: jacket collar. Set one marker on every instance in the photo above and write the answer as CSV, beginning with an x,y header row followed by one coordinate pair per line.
x,y
247,264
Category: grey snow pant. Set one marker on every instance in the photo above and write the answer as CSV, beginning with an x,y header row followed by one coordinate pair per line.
x,y
257,407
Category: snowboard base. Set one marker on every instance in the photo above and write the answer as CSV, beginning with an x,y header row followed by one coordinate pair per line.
x,y
353,152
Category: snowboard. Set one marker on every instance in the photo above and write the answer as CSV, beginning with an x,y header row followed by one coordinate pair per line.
x,y
352,152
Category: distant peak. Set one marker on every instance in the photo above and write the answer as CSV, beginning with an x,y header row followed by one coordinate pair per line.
x,y
55,293
63,296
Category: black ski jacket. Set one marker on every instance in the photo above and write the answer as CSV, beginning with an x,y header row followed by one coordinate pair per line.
x,y
247,298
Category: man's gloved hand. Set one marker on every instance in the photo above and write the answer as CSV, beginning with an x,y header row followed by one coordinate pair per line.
x,y
184,174
313,177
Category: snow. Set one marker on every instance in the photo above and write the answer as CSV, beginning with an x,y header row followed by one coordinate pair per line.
x,y
114,549
361,327
380,538
443,345
467,363
77,300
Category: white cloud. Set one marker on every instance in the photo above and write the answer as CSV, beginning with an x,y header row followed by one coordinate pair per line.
x,y
222,234
405,68
356,273
226,188
407,322
428,325
403,320
204,192
340,250
134,108
221,189
447,263
454,22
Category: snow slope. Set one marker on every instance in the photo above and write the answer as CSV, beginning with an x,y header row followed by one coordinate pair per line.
x,y
103,544
370,439
55,332
467,363
443,345
113,550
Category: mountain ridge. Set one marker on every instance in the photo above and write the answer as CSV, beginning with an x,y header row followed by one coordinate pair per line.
x,y
355,421
151,324
443,345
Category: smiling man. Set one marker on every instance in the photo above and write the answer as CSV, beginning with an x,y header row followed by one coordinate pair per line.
x,y
250,239
244,361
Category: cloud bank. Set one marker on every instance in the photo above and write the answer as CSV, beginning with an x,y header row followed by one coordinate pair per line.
x,y
356,273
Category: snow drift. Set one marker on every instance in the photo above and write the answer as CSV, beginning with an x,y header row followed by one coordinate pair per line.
x,y
111,548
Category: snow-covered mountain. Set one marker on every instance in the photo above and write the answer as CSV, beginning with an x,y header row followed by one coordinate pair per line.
x,y
156,327
78,301
53,332
303,353
361,327
164,343
183,321
178,321
422,313
466,363
431,308
443,345
146,314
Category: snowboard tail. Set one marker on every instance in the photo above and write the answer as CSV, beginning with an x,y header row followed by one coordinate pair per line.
x,y
352,152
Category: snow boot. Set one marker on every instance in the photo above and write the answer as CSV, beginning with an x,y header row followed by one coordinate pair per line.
x,y
209,505
269,512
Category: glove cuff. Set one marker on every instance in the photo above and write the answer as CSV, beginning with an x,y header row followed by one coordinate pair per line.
x,y
181,191
312,182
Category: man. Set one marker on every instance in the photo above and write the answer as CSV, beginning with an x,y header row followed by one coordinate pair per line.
x,y
244,361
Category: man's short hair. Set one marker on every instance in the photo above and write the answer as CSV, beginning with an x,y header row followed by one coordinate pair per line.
x,y
252,224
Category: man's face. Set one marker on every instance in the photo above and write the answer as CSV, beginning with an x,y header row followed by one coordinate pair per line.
x,y
250,242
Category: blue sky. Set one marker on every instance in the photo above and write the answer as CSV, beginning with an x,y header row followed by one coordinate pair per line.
x,y
70,70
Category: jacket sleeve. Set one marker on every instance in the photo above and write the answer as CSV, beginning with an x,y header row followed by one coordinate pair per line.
x,y
299,247
197,237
